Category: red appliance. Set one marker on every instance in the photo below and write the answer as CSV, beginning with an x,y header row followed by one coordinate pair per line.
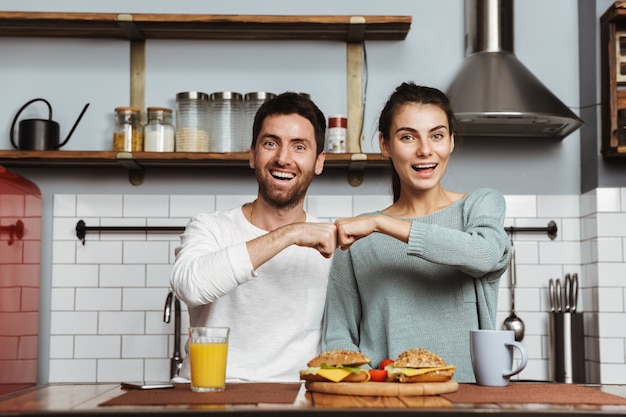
x,y
20,249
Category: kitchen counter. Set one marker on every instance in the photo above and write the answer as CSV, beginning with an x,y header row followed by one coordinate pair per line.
x,y
84,399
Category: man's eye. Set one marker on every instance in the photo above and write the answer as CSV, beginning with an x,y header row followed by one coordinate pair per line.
x,y
438,136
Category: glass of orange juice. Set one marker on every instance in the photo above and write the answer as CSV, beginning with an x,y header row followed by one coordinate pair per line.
x,y
208,350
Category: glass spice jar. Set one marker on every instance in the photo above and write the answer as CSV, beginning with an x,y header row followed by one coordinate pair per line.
x,y
128,133
158,133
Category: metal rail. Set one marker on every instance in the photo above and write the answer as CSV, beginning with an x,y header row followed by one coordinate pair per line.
x,y
82,229
551,229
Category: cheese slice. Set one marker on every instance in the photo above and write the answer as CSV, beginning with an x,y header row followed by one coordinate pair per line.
x,y
419,371
335,374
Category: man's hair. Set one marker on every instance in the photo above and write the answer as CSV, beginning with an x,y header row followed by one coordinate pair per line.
x,y
292,103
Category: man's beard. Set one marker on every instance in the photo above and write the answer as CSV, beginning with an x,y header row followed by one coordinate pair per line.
x,y
280,200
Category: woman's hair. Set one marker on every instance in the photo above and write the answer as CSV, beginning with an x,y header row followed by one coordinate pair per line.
x,y
292,103
409,93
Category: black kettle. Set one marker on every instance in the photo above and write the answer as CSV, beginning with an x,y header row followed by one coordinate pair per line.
x,y
40,134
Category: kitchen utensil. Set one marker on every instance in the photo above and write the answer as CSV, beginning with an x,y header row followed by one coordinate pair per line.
x,y
567,293
574,293
40,134
513,322
551,295
558,293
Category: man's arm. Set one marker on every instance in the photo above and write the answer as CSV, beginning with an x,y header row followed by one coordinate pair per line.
x,y
319,236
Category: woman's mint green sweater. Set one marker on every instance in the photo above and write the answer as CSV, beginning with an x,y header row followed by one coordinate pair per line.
x,y
385,296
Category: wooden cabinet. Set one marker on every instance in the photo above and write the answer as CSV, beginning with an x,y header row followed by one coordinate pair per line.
x,y
137,28
613,68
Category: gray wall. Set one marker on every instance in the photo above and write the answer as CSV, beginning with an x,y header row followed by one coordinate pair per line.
x,y
72,72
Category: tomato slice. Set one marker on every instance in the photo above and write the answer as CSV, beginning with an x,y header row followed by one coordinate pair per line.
x,y
378,375
384,363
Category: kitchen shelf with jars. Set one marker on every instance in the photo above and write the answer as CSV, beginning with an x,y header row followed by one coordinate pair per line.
x,y
137,28
613,67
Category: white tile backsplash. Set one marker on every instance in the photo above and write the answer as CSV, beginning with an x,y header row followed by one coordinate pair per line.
x,y
70,322
126,322
146,206
98,299
122,275
65,205
95,252
330,206
609,200
97,347
74,275
108,295
99,205
186,206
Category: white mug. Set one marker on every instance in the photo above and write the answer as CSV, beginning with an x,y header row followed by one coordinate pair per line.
x,y
492,356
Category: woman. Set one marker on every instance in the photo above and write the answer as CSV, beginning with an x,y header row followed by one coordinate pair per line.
x,y
424,271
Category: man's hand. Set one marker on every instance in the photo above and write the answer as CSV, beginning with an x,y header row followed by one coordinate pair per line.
x,y
320,236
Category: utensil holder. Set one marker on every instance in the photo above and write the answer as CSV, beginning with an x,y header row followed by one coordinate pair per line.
x,y
567,348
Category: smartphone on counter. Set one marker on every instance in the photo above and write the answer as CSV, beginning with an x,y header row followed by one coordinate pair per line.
x,y
147,384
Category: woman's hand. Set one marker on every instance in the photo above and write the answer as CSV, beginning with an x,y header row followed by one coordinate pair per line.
x,y
351,229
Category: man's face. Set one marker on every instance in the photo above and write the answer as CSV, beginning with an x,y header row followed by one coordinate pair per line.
x,y
285,159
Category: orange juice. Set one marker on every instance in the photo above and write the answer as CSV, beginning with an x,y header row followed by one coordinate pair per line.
x,y
208,366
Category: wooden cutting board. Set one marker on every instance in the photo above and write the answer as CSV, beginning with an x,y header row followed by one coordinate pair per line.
x,y
387,389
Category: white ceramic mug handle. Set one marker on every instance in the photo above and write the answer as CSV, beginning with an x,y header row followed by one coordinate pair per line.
x,y
524,353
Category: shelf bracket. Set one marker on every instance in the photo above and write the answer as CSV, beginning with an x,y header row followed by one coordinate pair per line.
x,y
125,22
136,173
358,161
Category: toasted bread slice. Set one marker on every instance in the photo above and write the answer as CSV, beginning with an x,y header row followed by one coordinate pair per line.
x,y
418,358
339,357
421,359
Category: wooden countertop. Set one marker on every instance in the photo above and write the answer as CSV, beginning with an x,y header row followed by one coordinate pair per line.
x,y
84,399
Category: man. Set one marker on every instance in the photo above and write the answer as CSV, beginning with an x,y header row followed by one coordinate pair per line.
x,y
257,268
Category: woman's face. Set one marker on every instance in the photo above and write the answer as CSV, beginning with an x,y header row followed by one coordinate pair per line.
x,y
420,144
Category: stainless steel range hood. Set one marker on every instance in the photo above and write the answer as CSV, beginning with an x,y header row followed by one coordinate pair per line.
x,y
494,94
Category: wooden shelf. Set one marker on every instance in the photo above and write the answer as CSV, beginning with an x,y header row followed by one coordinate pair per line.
x,y
613,74
137,28
137,162
201,26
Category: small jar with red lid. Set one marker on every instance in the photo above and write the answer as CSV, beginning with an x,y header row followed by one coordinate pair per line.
x,y
337,134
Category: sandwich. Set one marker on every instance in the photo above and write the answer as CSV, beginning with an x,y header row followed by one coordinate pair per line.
x,y
419,365
339,365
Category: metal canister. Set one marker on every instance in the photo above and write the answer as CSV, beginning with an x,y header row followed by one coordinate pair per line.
x,y
128,133
251,103
226,122
192,122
